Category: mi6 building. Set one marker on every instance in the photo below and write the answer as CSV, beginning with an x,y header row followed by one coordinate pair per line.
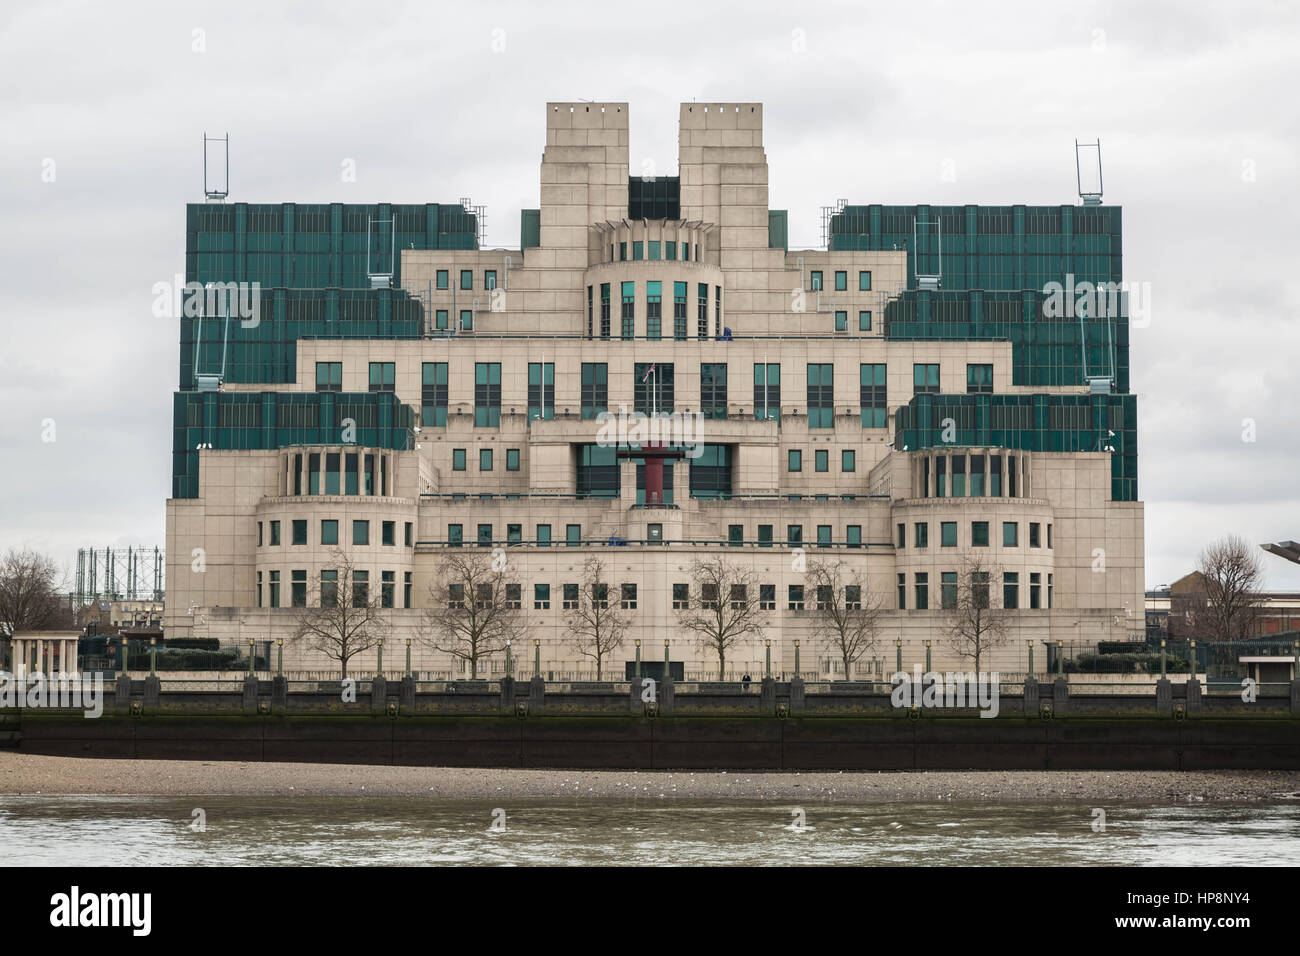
x,y
927,394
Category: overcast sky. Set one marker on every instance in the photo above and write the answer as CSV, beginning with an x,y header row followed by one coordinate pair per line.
x,y
103,108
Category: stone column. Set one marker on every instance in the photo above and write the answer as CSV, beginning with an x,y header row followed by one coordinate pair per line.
x,y
1031,697
1060,696
1164,696
767,696
1193,696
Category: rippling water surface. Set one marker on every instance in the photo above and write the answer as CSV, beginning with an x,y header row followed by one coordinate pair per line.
x,y
329,831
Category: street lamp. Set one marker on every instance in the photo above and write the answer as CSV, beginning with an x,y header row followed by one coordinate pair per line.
x,y
796,657
279,657
408,657
638,658
768,642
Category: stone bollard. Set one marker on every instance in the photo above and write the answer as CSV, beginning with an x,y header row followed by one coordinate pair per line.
x,y
767,697
665,692
280,692
1193,696
122,691
1295,697
250,694
1031,697
536,695
507,704
634,704
378,695
407,693
152,690
796,695
1164,696
1060,697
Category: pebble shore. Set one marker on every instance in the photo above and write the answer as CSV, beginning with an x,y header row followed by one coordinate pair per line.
x,y
27,774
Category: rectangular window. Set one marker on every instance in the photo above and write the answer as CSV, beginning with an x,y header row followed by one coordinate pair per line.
x,y
921,534
299,530
407,535
821,395
765,536
1033,534
329,531
864,281
948,534
570,597
458,459
466,279
275,588
976,476
638,251
681,597
360,588
490,279
622,252
853,536
958,476
382,376
629,311
275,533
595,388
1049,590
679,306
864,320
670,251
455,535
871,395
360,532
512,459
794,600
922,591
485,536
902,535
925,379
821,459
653,250
604,310
902,592
717,309
544,535
1035,590
841,320
1049,539
329,376
979,534
467,320
1011,590
702,310
713,390
259,588
485,459
1010,534
979,378
487,394
841,281
735,534
823,536
948,593
298,588
628,597
406,589
443,279
794,534
514,534
329,589
541,391
433,394
652,387
388,530
767,597
541,597
572,535
815,281
654,328
794,460
387,587
848,460
767,392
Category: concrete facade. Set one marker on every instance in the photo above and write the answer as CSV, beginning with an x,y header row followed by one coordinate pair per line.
x,y
761,307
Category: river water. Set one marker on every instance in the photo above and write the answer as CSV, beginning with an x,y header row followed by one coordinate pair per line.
x,y
333,831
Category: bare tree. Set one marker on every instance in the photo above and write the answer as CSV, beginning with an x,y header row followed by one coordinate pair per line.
x,y
29,594
344,616
597,624
846,614
974,625
1232,574
723,608
475,607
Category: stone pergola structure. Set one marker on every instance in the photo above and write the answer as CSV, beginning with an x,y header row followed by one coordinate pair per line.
x,y
52,653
